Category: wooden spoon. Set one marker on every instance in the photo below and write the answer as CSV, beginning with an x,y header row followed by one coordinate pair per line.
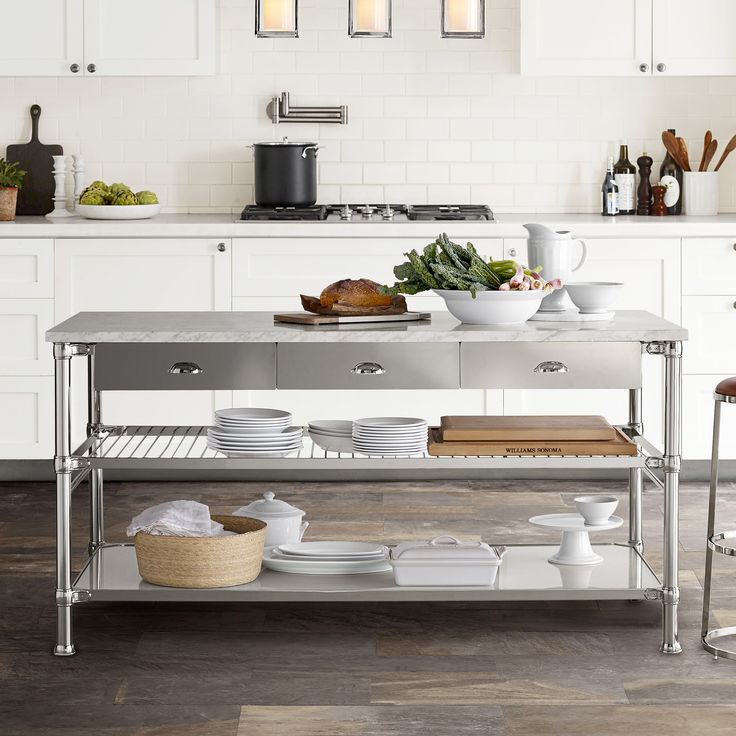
x,y
708,155
673,148
684,156
730,147
706,144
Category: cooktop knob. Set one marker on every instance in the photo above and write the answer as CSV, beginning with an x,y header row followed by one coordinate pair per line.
x,y
367,212
388,213
346,213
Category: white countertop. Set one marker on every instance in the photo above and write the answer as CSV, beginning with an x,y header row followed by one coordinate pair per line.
x,y
506,226
259,327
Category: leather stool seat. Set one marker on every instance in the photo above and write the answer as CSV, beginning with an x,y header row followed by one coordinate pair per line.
x,y
727,387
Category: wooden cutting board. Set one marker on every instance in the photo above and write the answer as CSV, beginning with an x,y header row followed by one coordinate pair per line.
x,y
36,196
525,428
620,445
307,318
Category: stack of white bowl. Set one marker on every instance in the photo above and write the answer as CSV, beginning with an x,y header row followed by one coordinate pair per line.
x,y
390,436
328,558
254,433
335,435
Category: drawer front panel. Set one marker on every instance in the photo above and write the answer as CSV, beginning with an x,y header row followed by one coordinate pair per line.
x,y
148,366
382,366
710,321
551,365
26,268
708,265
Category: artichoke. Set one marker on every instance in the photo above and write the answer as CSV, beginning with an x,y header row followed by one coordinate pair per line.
x,y
118,188
124,198
98,185
146,197
95,197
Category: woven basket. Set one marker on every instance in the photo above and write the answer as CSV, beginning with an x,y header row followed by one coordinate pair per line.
x,y
203,562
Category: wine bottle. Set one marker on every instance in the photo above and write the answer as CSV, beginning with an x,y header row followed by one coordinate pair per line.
x,y
673,198
609,191
625,174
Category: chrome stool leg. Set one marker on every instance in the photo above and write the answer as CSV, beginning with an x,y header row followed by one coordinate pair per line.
x,y
716,543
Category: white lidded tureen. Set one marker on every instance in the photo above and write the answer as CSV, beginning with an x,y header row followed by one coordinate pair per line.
x,y
284,523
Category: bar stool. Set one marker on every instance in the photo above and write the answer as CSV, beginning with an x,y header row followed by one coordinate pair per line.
x,y
723,543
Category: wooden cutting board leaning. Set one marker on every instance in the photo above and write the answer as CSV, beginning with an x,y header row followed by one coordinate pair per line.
x,y
36,197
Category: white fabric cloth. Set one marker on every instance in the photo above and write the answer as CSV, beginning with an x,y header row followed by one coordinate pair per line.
x,y
177,519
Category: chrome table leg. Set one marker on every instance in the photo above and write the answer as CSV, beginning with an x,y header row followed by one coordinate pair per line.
x,y
63,468
672,462
96,502
636,476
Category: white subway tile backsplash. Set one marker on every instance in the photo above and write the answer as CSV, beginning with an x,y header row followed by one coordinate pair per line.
x,y
431,119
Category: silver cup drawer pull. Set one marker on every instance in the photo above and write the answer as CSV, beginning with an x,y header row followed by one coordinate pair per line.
x,y
368,369
186,368
551,366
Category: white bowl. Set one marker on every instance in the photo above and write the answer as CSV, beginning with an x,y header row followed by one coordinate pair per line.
x,y
596,510
332,443
594,297
117,212
492,307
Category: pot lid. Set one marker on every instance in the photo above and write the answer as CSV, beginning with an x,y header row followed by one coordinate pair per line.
x,y
285,142
443,548
269,507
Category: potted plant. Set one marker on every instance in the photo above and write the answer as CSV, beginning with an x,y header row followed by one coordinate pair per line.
x,y
11,180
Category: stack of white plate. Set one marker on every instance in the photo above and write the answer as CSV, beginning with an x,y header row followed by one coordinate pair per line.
x,y
335,435
254,433
390,436
328,558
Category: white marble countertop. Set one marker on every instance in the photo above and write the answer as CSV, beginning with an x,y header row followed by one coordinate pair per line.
x,y
506,226
259,327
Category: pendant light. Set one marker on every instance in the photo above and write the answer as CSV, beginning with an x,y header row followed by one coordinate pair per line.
x,y
369,19
276,19
463,18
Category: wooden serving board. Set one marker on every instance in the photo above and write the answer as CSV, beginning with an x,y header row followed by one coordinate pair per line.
x,y
621,445
307,318
526,429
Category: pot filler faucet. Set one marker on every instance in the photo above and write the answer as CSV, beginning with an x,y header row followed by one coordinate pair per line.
x,y
281,111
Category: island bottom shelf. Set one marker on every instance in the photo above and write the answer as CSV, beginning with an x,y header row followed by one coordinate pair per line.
x,y
111,574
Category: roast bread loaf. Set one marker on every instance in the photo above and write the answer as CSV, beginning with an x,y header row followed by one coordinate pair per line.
x,y
356,293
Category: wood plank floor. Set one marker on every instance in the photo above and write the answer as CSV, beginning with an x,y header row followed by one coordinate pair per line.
x,y
360,670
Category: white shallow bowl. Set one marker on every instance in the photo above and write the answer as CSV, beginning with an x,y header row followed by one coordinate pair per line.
x,y
117,212
594,297
390,423
332,443
252,414
596,510
332,426
333,549
492,307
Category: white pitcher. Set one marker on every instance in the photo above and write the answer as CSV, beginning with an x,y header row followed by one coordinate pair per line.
x,y
554,253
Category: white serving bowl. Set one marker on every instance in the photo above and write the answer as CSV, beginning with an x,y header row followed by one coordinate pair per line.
x,y
594,297
596,510
492,307
117,212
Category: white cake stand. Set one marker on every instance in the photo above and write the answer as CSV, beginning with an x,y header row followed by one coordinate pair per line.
x,y
575,546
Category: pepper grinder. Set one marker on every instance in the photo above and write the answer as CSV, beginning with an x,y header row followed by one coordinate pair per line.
x,y
659,208
644,193
79,178
60,209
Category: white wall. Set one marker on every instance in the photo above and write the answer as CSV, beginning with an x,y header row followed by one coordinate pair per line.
x,y
431,119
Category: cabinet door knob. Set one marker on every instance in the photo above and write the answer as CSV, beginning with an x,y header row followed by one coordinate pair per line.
x,y
221,247
551,366
185,368
368,369
661,67
74,68
512,252
643,68
91,68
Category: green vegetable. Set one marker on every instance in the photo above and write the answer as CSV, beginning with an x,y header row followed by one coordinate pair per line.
x,y
98,185
124,198
146,197
118,188
95,197
10,175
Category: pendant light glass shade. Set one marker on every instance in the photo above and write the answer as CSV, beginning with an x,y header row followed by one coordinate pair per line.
x,y
276,19
463,18
370,19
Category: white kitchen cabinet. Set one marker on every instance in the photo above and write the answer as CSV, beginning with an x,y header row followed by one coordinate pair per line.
x,y
149,37
711,322
697,418
26,268
26,417
651,274
23,324
583,38
144,274
42,38
709,266
694,38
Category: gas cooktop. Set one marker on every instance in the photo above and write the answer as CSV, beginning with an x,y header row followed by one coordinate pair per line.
x,y
369,212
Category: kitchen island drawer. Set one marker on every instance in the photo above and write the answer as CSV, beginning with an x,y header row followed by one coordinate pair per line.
x,y
368,366
551,365
184,366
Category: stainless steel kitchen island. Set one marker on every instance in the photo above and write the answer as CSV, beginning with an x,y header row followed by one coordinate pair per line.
x,y
226,350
